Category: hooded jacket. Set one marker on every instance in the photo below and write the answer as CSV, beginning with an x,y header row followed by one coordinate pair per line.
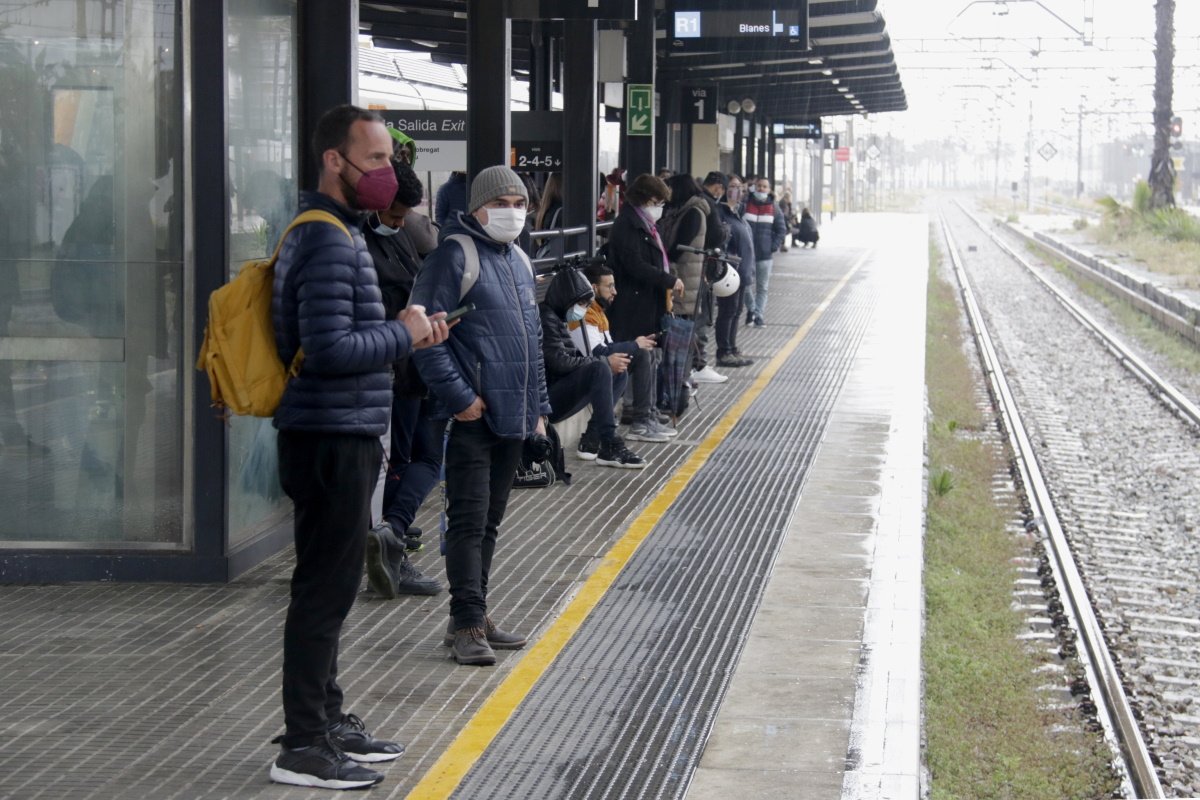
x,y
494,352
558,350
326,299
767,224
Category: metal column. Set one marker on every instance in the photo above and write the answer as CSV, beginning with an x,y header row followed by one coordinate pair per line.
x,y
328,68
751,143
639,150
738,165
579,125
489,67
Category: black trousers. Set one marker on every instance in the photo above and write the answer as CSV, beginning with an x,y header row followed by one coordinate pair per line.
x,y
330,478
592,383
414,463
480,467
729,310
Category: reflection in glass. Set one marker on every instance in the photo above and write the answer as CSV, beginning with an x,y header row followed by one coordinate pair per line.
x,y
90,273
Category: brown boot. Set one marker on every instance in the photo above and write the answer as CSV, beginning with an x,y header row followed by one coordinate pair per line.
x,y
471,647
496,638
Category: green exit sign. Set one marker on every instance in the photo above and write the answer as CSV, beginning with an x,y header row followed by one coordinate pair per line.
x,y
639,109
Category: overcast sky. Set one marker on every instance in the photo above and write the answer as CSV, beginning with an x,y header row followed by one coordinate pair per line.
x,y
983,64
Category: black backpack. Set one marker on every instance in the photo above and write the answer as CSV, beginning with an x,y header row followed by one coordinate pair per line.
x,y
536,471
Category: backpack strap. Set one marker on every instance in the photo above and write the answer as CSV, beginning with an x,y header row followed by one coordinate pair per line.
x,y
312,215
471,261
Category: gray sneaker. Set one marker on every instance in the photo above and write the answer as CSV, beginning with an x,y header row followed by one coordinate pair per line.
x,y
665,428
646,431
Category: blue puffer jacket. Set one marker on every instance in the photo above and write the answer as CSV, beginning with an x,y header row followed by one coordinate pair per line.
x,y
496,350
741,243
327,300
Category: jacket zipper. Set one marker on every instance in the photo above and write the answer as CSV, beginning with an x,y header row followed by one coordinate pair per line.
x,y
512,274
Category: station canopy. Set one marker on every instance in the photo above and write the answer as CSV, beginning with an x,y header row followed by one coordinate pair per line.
x,y
839,62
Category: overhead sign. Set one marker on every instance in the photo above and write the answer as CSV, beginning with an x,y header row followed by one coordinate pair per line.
x,y
796,130
707,23
572,9
700,105
639,109
441,138
832,140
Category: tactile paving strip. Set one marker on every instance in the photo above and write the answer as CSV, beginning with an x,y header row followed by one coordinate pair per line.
x,y
625,710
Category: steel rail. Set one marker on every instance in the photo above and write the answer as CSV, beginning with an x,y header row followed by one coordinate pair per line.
x,y
1159,386
1114,711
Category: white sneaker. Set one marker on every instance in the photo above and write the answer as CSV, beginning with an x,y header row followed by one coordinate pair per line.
x,y
708,375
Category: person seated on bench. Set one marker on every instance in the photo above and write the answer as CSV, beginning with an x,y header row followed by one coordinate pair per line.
x,y
574,380
592,336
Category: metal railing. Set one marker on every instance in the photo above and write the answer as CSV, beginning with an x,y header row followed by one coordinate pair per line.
x,y
557,239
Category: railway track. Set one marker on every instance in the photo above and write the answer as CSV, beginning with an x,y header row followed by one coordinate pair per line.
x,y
1109,471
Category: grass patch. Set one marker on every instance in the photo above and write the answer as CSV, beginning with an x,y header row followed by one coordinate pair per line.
x,y
1164,240
1139,326
987,734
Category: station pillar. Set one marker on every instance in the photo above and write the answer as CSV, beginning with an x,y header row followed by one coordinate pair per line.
x,y
738,145
639,150
580,167
489,49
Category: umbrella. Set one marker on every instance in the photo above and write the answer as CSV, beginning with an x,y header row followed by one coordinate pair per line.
x,y
677,362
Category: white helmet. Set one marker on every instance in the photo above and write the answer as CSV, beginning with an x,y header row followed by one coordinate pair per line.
x,y
728,283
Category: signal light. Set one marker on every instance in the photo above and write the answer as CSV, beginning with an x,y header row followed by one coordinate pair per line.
x,y
1176,127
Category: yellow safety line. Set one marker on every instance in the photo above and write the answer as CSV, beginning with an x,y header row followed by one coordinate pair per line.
x,y
449,770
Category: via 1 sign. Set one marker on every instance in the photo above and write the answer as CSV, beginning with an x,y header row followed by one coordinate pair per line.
x,y
700,105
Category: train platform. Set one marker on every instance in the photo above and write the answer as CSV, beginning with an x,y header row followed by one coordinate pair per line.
x,y
740,618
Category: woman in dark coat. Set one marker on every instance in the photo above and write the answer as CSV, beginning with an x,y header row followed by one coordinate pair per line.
x,y
644,285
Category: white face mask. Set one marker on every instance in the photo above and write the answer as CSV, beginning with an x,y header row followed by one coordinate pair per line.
x,y
577,312
760,196
653,212
380,228
504,224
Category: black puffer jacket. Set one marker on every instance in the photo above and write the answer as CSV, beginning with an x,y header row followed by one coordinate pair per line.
x,y
642,284
327,299
559,352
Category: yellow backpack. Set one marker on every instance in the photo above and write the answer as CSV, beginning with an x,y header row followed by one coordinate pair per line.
x,y
238,352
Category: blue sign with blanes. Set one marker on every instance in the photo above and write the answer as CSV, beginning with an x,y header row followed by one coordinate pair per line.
x,y
702,23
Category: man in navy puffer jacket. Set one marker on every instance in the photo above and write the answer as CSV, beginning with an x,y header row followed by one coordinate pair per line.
x,y
489,377
327,300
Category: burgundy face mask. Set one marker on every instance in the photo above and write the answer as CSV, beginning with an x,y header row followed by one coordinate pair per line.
x,y
375,189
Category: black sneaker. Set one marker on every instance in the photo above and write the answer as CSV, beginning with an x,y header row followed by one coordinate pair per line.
x,y
381,576
409,580
412,539
614,453
351,737
323,766
589,446
749,317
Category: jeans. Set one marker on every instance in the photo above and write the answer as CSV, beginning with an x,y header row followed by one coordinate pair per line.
x,y
703,331
729,309
757,304
414,462
480,467
592,383
329,478
640,391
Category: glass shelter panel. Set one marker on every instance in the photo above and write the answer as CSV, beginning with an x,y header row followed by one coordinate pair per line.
x,y
91,273
263,174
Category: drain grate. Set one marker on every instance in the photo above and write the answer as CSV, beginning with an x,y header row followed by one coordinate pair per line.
x,y
625,710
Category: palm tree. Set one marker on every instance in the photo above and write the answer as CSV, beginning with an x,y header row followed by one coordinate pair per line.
x,y
1162,168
